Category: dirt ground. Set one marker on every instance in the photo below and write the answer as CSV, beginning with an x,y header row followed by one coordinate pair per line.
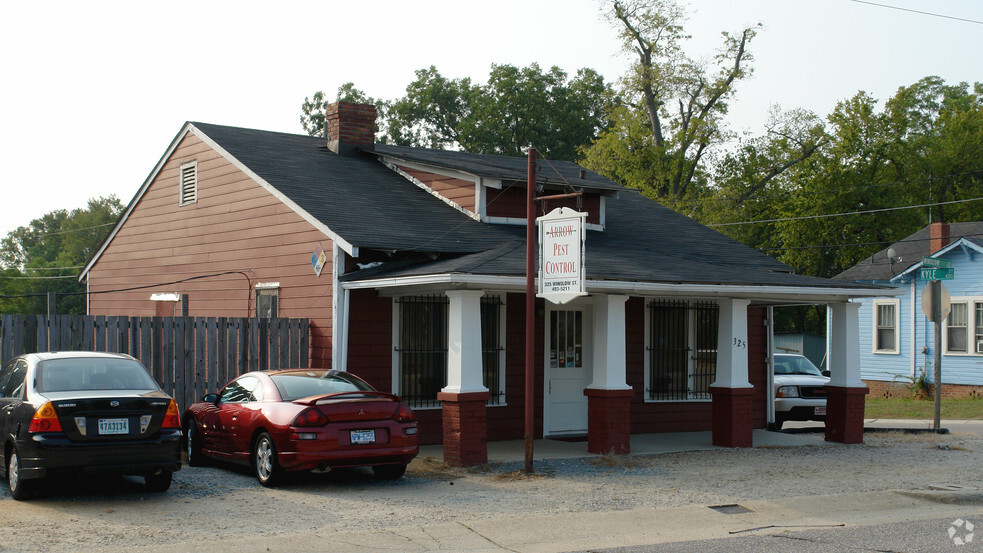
x,y
213,503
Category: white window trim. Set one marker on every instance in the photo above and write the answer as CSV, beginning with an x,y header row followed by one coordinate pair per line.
x,y
192,166
691,335
897,327
971,346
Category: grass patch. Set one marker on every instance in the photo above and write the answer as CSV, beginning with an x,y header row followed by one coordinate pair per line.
x,y
906,408
610,460
517,475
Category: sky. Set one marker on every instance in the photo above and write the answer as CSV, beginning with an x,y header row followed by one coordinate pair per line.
x,y
93,92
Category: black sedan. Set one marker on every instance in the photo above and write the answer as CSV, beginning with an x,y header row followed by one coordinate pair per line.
x,y
85,413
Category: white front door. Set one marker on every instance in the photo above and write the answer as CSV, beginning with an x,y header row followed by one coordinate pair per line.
x,y
567,371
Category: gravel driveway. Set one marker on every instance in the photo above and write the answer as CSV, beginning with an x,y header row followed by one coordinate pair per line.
x,y
212,503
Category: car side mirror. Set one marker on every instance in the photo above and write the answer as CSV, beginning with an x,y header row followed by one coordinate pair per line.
x,y
210,398
825,373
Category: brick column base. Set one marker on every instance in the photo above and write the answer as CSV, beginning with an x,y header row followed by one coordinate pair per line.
x,y
609,421
732,416
845,414
465,428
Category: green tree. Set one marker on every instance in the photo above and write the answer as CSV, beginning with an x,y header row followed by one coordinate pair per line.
x,y
46,256
924,147
312,110
669,113
517,109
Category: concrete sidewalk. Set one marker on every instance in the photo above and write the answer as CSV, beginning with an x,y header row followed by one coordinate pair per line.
x,y
668,442
800,434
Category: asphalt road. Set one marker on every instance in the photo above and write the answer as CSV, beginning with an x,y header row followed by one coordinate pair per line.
x,y
929,536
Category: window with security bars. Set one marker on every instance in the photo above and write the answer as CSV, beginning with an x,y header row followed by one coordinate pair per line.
x,y
267,303
492,348
189,183
682,349
422,349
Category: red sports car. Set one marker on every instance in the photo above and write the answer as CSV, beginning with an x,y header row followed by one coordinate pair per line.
x,y
302,420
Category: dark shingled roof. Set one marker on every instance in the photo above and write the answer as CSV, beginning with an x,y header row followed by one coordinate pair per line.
x,y
357,197
373,207
909,251
505,168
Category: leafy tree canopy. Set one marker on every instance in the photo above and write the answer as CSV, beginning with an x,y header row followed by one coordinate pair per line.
x,y
668,115
517,109
46,256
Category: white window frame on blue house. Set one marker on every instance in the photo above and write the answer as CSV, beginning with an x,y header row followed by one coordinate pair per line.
x,y
878,347
973,332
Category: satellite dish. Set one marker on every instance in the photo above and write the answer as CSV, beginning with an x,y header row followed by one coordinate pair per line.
x,y
893,255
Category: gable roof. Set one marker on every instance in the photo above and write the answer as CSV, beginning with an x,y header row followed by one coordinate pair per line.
x,y
504,168
362,204
909,250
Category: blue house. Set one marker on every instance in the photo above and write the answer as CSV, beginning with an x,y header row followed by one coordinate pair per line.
x,y
897,341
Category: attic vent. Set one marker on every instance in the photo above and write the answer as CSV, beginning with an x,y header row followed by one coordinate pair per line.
x,y
189,183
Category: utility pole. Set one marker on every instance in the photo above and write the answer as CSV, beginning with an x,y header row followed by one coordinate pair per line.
x,y
530,303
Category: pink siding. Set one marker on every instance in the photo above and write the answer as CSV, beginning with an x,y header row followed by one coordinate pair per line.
x,y
459,191
236,227
511,202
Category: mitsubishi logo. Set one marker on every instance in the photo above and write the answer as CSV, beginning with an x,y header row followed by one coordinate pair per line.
x,y
114,403
361,412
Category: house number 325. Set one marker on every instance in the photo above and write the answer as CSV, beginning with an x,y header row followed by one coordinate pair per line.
x,y
740,344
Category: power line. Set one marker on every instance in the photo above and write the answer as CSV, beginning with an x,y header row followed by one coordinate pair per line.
x,y
919,12
865,212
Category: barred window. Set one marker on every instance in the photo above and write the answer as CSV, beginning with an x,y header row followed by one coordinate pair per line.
x,y
682,349
492,348
422,349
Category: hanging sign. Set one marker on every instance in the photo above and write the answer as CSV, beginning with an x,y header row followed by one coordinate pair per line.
x,y
318,259
561,255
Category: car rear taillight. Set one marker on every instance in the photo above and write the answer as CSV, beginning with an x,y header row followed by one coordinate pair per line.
x,y
171,419
45,419
311,416
403,414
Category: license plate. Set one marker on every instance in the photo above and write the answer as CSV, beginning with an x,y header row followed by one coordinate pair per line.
x,y
821,411
114,426
363,436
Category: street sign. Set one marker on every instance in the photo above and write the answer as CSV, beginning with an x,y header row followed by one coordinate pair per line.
x,y
561,255
936,274
929,296
936,263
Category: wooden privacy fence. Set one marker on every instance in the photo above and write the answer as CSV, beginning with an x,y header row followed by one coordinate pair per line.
x,y
187,356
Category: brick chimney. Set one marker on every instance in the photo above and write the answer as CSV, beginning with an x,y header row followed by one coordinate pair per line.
x,y
939,233
349,127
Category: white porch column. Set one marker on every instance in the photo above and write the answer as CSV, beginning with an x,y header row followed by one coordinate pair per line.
x,y
844,346
732,364
464,342
609,344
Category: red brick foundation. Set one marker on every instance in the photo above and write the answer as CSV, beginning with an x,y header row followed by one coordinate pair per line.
x,y
609,421
888,390
465,424
845,414
732,410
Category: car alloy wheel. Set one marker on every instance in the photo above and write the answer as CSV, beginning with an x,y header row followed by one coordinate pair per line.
x,y
195,458
19,489
265,461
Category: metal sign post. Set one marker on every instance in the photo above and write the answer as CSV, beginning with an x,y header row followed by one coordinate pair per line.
x,y
936,306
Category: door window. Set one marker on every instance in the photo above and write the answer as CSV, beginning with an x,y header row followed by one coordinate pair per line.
x,y
566,339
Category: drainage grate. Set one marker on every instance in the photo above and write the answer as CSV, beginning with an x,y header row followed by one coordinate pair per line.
x,y
731,509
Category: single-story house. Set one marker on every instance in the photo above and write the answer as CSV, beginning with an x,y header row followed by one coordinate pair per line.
x,y
897,341
410,265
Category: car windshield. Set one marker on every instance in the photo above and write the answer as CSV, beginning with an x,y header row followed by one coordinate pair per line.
x,y
92,373
795,364
295,385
